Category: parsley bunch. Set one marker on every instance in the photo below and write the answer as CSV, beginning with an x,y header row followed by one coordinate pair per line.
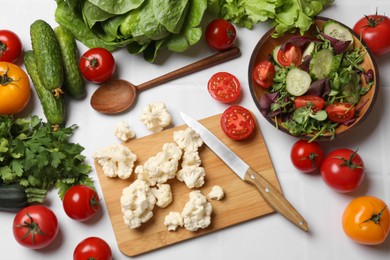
x,y
39,158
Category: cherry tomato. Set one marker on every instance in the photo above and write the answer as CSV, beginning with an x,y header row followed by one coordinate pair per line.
x,y
316,102
237,122
290,55
366,220
92,248
35,226
375,31
81,202
264,73
340,112
11,48
15,89
224,87
343,170
307,156
220,34
97,65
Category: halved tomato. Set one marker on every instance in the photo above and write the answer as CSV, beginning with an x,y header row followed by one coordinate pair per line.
x,y
264,73
224,87
340,112
237,122
316,102
289,55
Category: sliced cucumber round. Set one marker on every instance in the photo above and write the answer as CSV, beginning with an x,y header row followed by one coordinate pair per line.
x,y
275,54
321,64
297,82
308,50
338,31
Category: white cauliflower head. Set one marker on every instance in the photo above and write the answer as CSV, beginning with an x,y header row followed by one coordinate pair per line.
x,y
193,176
156,117
116,160
137,202
197,212
123,132
173,220
216,193
187,139
163,195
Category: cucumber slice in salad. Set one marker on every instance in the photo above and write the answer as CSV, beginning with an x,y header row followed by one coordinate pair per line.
x,y
321,64
308,50
297,82
275,54
338,31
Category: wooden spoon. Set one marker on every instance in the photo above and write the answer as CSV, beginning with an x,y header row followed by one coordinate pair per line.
x,y
118,95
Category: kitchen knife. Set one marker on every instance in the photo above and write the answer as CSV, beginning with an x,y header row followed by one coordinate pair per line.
x,y
274,198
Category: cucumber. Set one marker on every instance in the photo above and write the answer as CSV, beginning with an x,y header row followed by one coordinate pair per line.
x,y
73,79
13,197
53,107
48,55
338,31
308,50
321,64
297,82
275,54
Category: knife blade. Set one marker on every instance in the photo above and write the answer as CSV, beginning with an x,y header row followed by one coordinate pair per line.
x,y
271,195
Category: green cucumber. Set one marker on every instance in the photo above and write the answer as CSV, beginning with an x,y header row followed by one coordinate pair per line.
x,y
73,79
308,50
13,197
53,107
48,55
338,31
321,64
275,54
297,82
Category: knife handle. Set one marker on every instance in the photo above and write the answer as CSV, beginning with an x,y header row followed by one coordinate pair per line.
x,y
275,198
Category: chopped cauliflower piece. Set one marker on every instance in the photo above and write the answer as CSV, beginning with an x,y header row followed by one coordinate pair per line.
x,y
187,139
163,194
137,202
191,158
123,132
156,117
173,220
162,167
216,193
116,160
193,176
197,212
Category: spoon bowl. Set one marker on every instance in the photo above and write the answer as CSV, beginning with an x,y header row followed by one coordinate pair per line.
x,y
118,95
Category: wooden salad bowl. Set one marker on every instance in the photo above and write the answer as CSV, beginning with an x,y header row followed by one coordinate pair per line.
x,y
264,49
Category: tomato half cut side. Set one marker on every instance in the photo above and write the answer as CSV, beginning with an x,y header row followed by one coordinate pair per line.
x,y
289,55
263,74
224,87
237,122
316,102
340,112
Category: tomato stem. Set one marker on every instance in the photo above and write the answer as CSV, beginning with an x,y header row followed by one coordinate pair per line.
x,y
349,163
33,229
374,22
376,217
5,79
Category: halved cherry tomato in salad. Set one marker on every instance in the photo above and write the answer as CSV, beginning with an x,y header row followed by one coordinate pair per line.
x,y
264,73
224,87
340,112
316,102
289,55
237,122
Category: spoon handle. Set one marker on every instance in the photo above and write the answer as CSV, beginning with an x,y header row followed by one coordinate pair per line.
x,y
193,67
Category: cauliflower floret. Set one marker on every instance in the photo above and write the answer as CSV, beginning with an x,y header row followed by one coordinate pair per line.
x,y
197,212
162,167
123,132
137,202
173,220
187,139
193,176
163,195
116,160
216,193
191,158
156,117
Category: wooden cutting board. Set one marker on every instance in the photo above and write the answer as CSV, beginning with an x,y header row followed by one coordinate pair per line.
x,y
242,201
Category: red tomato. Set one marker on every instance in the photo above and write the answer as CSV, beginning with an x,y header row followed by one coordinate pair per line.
x,y
366,220
97,65
340,112
35,226
316,102
375,31
290,55
81,202
264,73
343,170
307,156
224,87
10,46
92,248
220,34
237,122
